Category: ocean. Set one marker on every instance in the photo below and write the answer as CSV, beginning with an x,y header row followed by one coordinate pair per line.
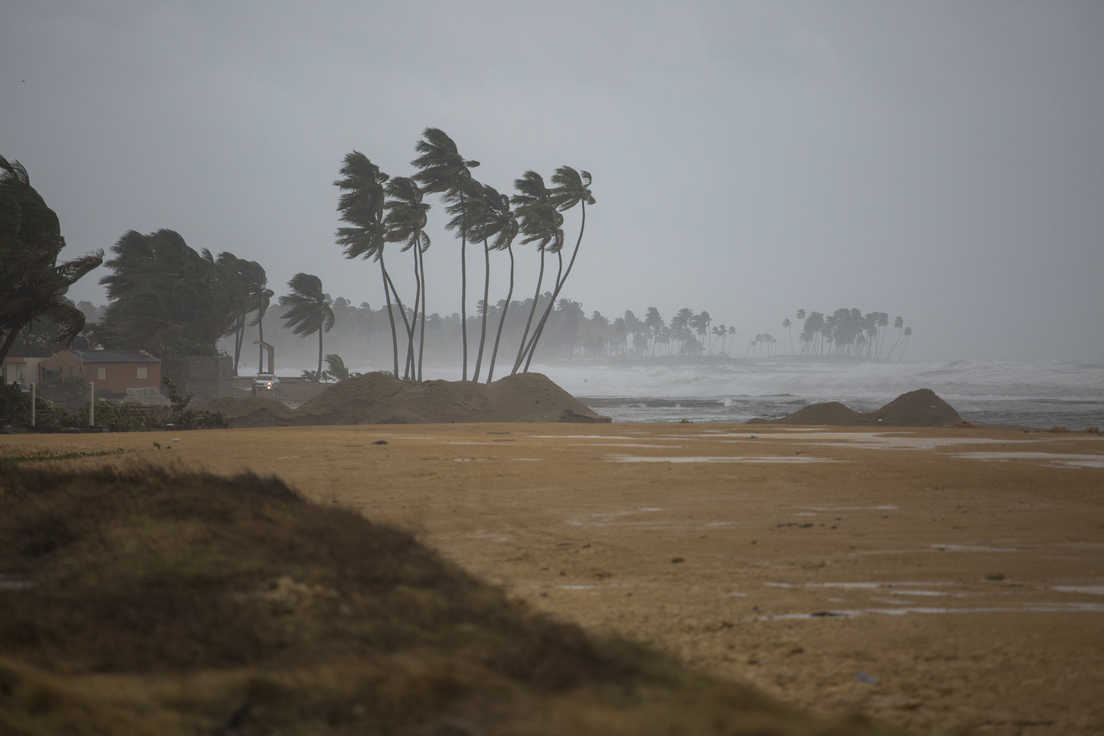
x,y
1043,393
1040,393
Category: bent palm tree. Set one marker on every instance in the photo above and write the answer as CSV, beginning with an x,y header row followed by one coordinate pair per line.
x,y
361,205
540,223
308,310
405,223
443,171
572,188
499,226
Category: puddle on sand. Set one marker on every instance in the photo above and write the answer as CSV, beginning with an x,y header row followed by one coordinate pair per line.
x,y
718,459
580,437
968,548
1086,589
1053,459
854,613
849,508
625,444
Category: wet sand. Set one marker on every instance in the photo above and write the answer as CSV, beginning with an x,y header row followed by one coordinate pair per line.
x,y
933,578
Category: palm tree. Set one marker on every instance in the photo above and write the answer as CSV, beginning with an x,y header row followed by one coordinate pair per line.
x,y
908,336
787,324
442,170
572,188
540,223
501,226
32,282
405,223
654,322
262,303
307,310
361,205
470,212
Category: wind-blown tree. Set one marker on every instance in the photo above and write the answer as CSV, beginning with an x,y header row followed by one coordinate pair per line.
x,y
654,322
262,302
908,336
700,323
336,368
166,298
307,310
246,287
468,208
361,204
538,222
787,324
571,188
442,170
499,225
32,282
405,221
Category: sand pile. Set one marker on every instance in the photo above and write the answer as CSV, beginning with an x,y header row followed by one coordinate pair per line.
x,y
921,408
377,398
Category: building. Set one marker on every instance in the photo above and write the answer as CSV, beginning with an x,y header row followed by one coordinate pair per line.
x,y
112,372
19,370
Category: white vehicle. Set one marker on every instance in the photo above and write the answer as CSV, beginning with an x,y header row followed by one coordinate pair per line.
x,y
265,382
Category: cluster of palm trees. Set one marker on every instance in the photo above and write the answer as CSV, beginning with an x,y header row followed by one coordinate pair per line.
x,y
379,210
687,334
846,332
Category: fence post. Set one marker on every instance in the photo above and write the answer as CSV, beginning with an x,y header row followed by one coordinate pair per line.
x,y
33,404
91,404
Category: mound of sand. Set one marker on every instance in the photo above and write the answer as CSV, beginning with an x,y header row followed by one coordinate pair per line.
x,y
377,398
920,408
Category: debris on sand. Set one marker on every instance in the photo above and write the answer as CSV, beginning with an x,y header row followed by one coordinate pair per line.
x,y
378,398
920,408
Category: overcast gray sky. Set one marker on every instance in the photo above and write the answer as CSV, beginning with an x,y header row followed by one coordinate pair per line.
x,y
939,161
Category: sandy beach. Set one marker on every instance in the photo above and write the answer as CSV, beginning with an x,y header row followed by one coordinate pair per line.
x,y
931,578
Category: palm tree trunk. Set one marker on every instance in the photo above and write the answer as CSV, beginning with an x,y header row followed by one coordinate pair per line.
x,y
464,282
532,309
410,359
318,375
239,338
502,317
421,337
260,339
559,286
390,316
544,317
486,307
402,313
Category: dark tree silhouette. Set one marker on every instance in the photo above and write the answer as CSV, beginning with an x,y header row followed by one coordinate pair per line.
x,y
32,282
307,310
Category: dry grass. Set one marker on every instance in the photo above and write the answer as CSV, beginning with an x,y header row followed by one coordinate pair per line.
x,y
157,601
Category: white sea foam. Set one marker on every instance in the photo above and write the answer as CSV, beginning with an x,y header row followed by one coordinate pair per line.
x,y
1040,393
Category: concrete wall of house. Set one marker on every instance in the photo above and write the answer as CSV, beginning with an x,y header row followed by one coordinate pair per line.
x,y
116,378
205,377
63,363
20,370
